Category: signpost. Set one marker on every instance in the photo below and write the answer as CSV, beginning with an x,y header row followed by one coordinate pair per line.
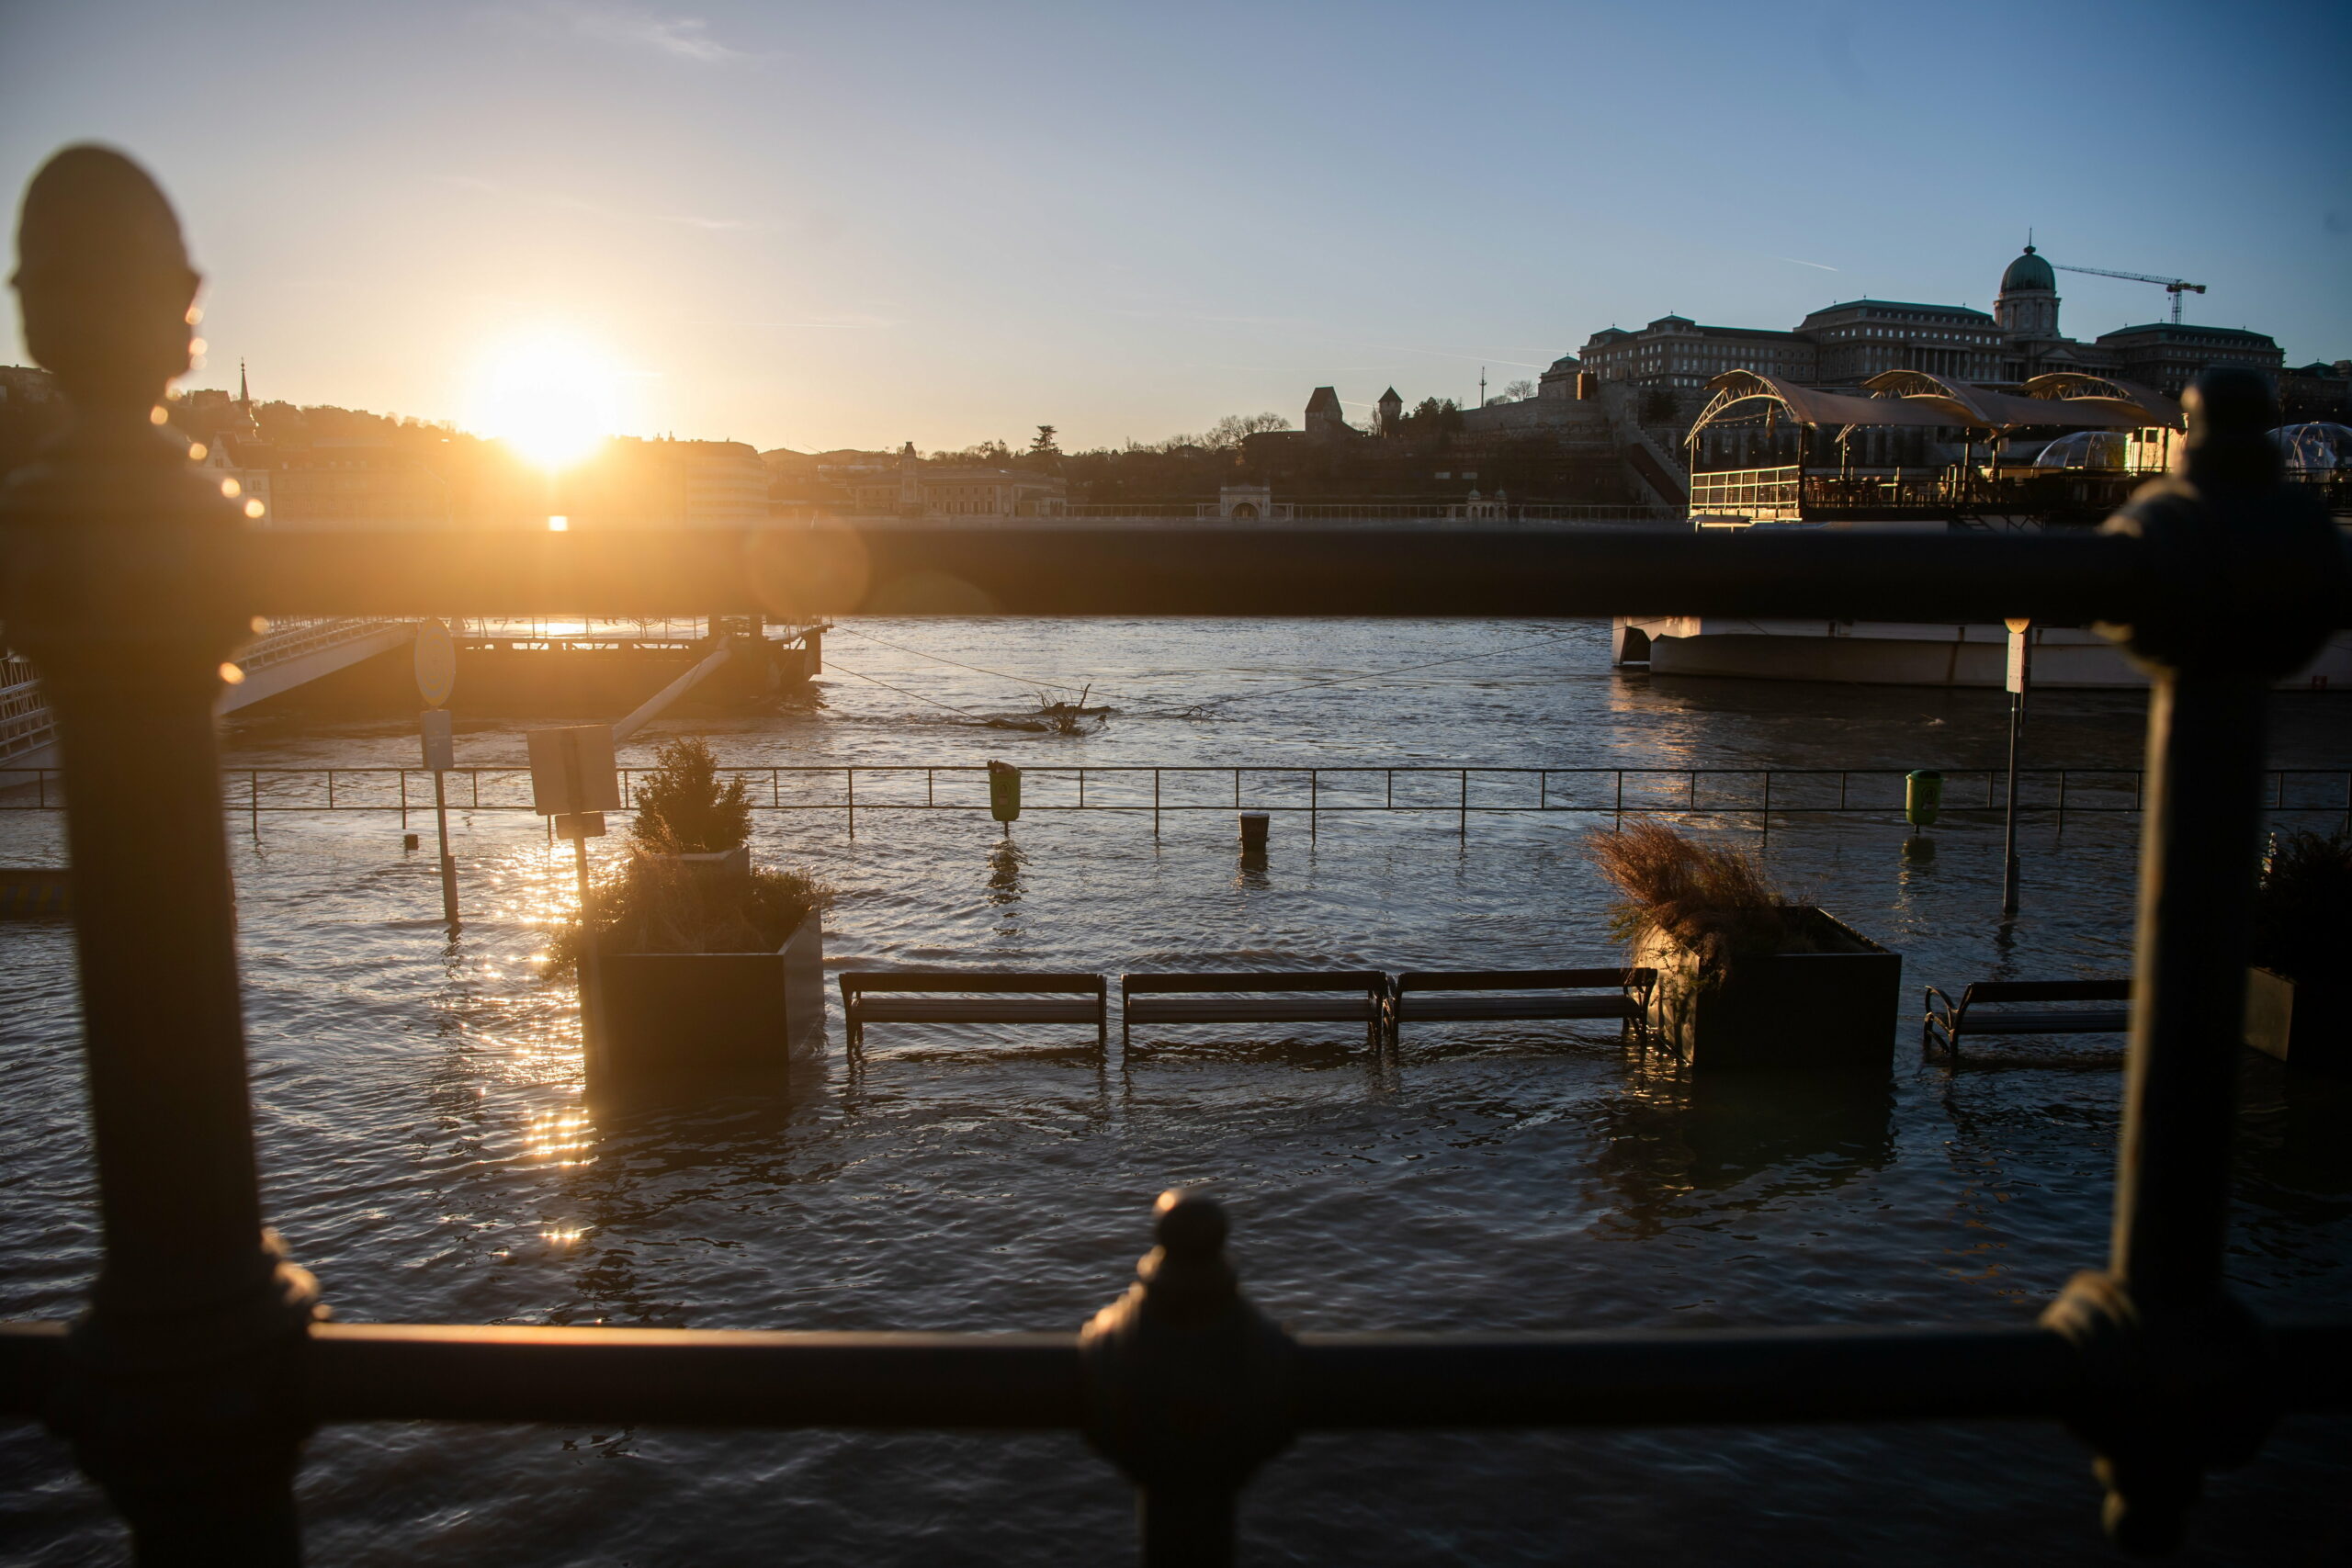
x,y
436,674
2020,629
574,782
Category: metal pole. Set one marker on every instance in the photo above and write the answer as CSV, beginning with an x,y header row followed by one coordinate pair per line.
x,y
183,1400
2009,827
591,1033
448,861
2229,546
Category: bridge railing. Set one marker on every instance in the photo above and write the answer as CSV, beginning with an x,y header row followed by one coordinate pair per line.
x,y
188,1387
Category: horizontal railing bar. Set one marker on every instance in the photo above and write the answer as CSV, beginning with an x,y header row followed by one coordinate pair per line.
x,y
1255,571
1028,1381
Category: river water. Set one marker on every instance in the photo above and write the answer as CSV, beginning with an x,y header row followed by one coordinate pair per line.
x,y
424,1151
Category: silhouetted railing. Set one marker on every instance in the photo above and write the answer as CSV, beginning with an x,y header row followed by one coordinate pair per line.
x,y
188,1387
1754,793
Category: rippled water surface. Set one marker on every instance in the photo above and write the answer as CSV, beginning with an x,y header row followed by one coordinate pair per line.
x,y
425,1150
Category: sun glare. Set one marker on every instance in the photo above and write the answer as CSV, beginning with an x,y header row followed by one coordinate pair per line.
x,y
551,397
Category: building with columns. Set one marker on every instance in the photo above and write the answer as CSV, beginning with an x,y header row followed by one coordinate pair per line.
x,y
1846,345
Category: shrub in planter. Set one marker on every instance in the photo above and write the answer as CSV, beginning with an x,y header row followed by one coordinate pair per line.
x,y
1746,977
2297,993
705,968
684,813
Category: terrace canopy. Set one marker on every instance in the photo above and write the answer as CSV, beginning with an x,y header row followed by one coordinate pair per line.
x,y
1915,399
2081,386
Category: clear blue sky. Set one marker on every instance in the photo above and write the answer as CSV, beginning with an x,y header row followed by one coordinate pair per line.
x,y
824,225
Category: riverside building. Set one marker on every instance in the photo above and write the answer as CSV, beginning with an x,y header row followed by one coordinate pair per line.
x,y
1846,345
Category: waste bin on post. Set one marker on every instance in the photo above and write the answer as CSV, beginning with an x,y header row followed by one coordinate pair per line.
x,y
1922,801
1004,794
1923,796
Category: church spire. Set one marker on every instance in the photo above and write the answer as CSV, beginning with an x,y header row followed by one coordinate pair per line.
x,y
244,392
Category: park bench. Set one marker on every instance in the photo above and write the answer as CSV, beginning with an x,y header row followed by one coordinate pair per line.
x,y
2021,1007
1481,996
1305,996
964,995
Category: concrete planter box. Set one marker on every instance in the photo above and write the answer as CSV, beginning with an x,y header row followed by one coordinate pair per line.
x,y
1831,1009
671,1022
2302,1022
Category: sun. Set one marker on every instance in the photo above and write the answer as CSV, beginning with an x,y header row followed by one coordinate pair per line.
x,y
551,396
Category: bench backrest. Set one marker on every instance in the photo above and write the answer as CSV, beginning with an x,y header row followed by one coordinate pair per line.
x,y
1265,980
1524,979
967,981
2046,991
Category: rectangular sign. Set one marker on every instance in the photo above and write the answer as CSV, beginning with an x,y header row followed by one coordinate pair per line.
x,y
572,770
2017,662
440,752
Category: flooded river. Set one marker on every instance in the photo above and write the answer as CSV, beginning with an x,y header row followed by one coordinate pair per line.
x,y
424,1151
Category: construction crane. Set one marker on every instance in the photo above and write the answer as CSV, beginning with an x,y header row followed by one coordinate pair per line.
x,y
2176,287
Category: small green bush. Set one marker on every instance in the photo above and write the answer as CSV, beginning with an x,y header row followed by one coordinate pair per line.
x,y
682,809
2302,908
655,905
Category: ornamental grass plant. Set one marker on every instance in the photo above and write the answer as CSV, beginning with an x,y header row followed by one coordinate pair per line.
x,y
2303,907
1714,900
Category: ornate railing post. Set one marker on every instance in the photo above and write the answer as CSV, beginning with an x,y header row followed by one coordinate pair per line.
x,y
182,1389
1189,1388
2246,578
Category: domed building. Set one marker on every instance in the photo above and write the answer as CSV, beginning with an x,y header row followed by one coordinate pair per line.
x,y
2028,303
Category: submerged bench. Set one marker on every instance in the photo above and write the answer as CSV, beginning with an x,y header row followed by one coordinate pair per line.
x,y
950,996
1481,996
1337,996
2020,1007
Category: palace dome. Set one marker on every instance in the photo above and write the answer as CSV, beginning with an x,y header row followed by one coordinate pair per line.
x,y
2029,272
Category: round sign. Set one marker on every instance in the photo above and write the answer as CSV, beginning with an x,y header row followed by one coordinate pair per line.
x,y
436,662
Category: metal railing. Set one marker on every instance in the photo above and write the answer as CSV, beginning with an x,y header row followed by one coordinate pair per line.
x,y
188,1387
1760,794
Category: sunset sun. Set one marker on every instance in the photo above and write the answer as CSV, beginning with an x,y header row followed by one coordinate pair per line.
x,y
551,396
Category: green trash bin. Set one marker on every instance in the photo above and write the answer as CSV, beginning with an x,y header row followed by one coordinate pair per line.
x,y
1004,792
1923,796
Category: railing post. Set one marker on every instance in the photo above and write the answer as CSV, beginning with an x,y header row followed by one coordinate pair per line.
x,y
2174,1364
182,1393
1188,1388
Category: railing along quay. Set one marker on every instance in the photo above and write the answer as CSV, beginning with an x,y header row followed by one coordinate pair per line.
x,y
188,1387
1757,794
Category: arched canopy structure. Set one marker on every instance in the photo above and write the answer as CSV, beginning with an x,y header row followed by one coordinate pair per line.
x,y
2149,407
1807,405
1913,398
1981,408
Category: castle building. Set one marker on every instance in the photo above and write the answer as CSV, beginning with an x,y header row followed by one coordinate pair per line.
x,y
1846,345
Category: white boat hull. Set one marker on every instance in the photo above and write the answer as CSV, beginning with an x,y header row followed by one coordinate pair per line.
x,y
1897,653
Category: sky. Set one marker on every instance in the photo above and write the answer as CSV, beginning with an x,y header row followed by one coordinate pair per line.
x,y
818,226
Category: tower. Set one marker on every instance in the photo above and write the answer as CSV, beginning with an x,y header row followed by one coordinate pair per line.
x,y
2027,306
1389,417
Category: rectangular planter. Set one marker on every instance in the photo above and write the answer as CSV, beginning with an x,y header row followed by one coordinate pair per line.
x,y
2302,1022
1831,1009
673,1022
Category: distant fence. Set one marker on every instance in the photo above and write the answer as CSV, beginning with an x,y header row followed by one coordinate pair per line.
x,y
1759,795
